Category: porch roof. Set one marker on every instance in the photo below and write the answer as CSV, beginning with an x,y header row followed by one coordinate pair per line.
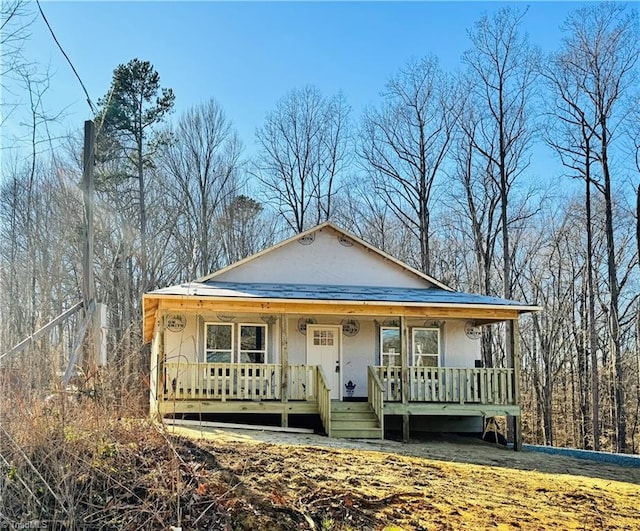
x,y
314,292
314,298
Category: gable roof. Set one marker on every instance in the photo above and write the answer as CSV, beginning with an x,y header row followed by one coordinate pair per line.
x,y
381,254
426,292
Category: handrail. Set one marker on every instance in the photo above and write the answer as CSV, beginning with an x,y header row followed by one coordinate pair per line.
x,y
375,391
324,400
461,385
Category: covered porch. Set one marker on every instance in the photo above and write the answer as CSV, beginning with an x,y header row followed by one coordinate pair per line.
x,y
209,388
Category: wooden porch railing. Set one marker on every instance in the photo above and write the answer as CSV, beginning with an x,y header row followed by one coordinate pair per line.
x,y
375,392
302,382
324,400
237,381
448,384
391,379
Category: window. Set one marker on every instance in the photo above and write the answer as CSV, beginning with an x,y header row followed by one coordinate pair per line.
x,y
426,347
390,346
221,340
253,343
218,343
323,338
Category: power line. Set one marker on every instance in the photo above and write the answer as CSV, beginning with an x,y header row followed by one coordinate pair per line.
x,y
91,105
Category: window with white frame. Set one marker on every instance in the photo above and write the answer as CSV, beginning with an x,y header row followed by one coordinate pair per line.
x,y
426,347
253,343
390,346
218,342
231,343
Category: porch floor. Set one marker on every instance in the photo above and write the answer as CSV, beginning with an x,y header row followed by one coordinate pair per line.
x,y
343,423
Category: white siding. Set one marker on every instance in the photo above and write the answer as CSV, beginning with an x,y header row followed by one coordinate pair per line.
x,y
187,346
325,261
182,346
459,350
358,352
297,343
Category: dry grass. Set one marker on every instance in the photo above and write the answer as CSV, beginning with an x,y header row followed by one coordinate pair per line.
x,y
85,464
359,489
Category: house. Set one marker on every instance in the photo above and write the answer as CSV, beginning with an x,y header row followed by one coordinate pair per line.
x,y
324,324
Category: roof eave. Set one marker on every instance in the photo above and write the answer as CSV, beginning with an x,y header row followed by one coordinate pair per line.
x,y
169,296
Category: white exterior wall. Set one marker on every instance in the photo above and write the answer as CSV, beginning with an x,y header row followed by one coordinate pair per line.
x,y
459,350
153,373
324,261
358,352
182,346
187,345
297,344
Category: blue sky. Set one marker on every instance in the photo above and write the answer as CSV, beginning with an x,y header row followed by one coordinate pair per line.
x,y
249,54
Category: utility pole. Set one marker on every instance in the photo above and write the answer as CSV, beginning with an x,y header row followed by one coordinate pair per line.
x,y
98,353
88,189
88,282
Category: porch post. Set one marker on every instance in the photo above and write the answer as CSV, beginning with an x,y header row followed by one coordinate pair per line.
x,y
516,422
284,367
404,354
156,367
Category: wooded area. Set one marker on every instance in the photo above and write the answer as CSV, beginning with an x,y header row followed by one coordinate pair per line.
x,y
440,174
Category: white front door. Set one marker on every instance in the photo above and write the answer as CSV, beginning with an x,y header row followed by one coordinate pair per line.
x,y
323,349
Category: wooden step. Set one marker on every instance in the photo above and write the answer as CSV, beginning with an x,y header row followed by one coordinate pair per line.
x,y
355,433
354,423
348,415
354,420
350,406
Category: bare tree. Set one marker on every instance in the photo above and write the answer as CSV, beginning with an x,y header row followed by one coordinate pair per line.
x,y
363,211
502,69
633,130
476,208
16,18
201,161
550,279
302,153
244,228
40,253
403,144
602,48
571,132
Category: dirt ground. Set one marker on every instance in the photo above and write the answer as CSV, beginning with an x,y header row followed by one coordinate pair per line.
x,y
300,480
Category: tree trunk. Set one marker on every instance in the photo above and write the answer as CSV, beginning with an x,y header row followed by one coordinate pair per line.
x,y
593,339
614,289
143,218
